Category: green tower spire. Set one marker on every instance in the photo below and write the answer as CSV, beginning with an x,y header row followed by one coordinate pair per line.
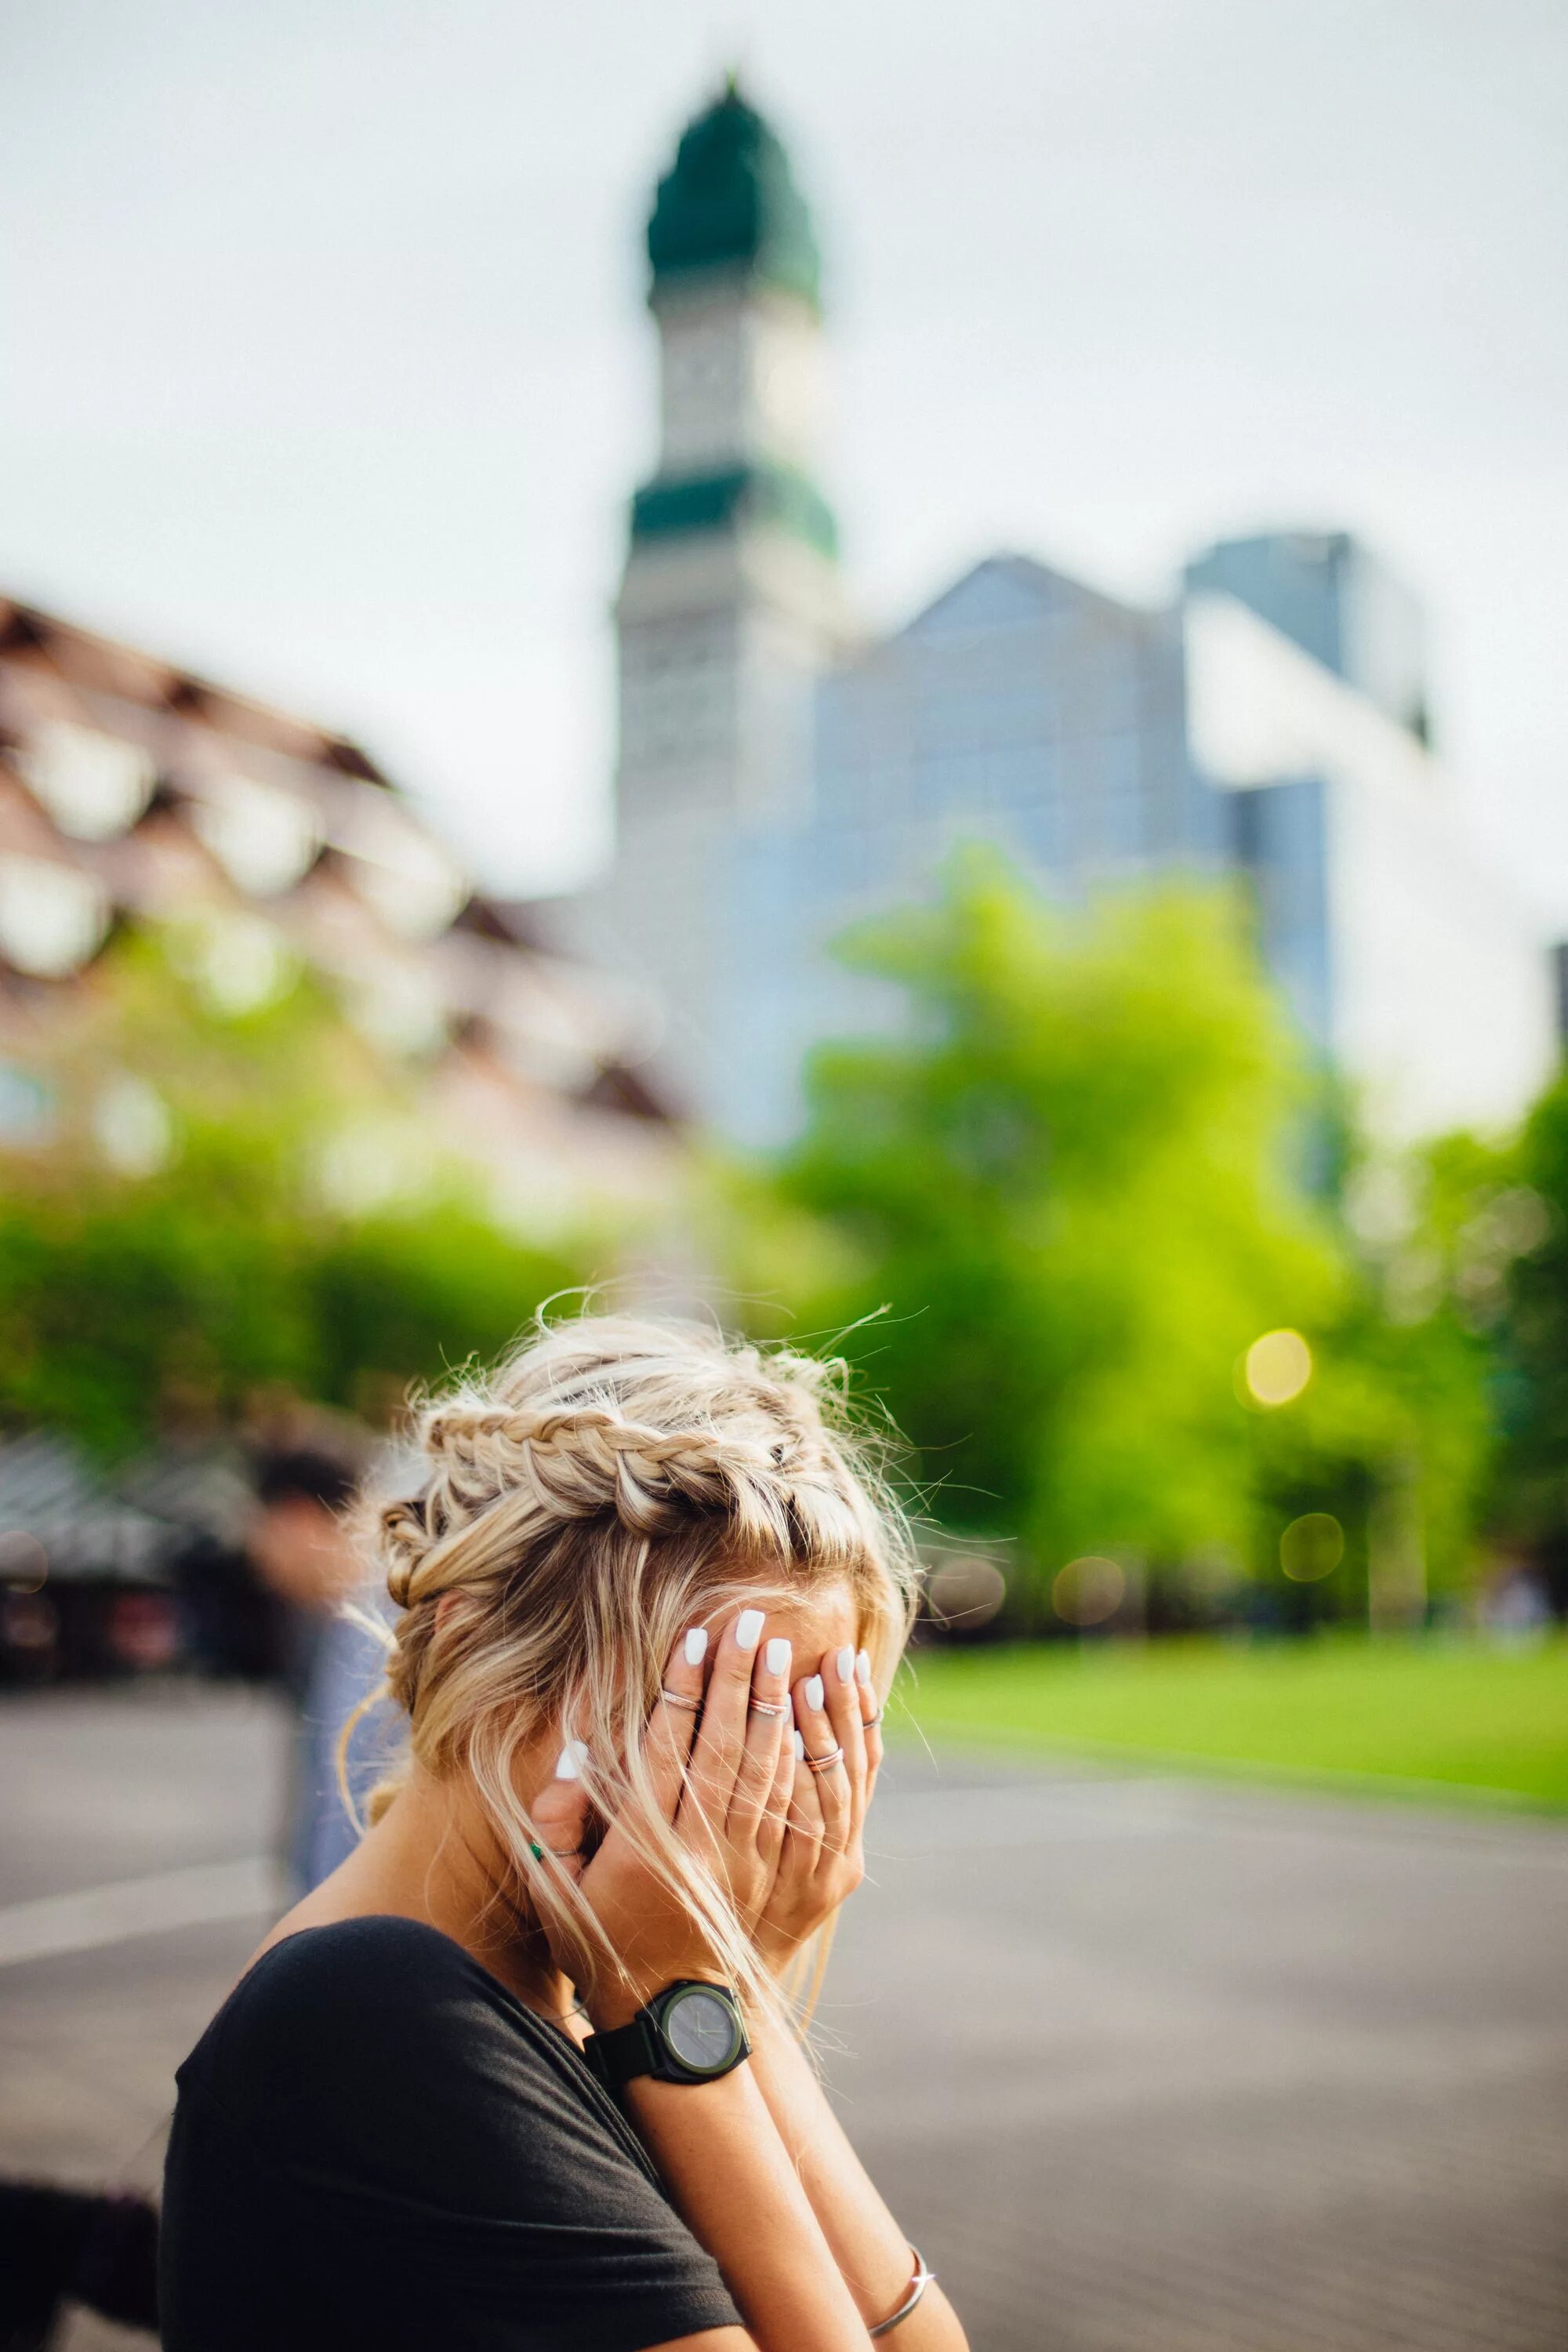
x,y
729,203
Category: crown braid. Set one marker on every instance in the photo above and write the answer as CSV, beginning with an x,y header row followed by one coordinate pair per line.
x,y
751,1450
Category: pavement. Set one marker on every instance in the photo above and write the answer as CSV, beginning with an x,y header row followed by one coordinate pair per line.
x,y
1139,2061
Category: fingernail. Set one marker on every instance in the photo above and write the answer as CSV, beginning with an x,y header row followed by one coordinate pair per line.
x,y
800,1747
863,1669
749,1629
813,1692
573,1758
778,1655
697,1646
845,1661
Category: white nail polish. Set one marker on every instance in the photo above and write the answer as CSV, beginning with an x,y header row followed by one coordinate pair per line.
x,y
813,1693
749,1629
778,1655
845,1661
863,1669
800,1747
573,1758
697,1646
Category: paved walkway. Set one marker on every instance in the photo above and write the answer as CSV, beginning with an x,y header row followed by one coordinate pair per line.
x,y
1140,2063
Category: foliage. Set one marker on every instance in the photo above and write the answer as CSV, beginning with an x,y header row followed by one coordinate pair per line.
x,y
1069,1180
1525,1237
229,1267
1087,1170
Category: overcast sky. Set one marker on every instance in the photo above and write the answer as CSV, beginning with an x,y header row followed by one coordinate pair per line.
x,y
325,366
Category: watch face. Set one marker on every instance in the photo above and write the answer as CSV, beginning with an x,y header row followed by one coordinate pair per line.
x,y
701,2029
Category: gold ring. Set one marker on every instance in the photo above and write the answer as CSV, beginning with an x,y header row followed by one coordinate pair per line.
x,y
674,1698
825,1763
766,1706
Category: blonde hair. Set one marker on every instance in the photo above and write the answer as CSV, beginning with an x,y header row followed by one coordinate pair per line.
x,y
614,1482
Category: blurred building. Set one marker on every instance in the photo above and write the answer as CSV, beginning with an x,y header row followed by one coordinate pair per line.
x,y
134,794
1331,596
778,777
731,605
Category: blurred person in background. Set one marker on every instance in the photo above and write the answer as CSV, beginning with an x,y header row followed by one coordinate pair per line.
x,y
304,1552
525,2071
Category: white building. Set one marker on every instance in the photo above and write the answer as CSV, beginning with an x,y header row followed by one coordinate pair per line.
x,y
729,607
777,780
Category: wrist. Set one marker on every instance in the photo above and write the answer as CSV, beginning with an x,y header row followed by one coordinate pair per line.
x,y
615,2004
692,2032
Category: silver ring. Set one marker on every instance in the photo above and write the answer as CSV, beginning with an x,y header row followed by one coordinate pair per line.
x,y
825,1763
766,1706
870,1722
674,1698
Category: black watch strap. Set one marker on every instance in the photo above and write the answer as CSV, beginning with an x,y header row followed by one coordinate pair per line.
x,y
691,2033
619,2056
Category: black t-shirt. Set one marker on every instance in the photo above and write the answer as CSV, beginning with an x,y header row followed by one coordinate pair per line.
x,y
376,2145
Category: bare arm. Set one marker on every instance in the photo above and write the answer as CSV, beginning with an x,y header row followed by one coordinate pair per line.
x,y
725,2164
822,1861
870,2250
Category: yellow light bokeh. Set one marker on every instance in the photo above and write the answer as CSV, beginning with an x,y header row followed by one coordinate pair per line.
x,y
1088,1590
1311,1547
1276,1368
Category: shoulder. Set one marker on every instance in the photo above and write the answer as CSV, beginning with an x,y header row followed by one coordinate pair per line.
x,y
379,2053
371,1970
385,2010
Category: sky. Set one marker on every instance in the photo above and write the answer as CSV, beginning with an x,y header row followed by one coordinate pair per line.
x,y
326,370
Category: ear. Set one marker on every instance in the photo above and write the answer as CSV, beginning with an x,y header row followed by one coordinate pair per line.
x,y
443,1607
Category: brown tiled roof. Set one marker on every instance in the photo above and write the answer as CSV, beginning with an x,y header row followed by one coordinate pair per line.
x,y
231,807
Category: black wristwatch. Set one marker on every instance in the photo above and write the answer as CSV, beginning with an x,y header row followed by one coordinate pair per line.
x,y
689,2032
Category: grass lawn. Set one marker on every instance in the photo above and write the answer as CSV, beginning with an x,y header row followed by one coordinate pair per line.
x,y
1424,1715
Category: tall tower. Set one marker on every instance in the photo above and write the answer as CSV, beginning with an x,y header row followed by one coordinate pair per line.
x,y
728,607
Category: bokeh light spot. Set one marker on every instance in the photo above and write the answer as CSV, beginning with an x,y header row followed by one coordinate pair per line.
x,y
965,1592
1276,1368
1311,1547
1087,1592
24,1562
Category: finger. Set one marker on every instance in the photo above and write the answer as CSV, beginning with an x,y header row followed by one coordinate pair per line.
x,y
769,1717
822,1760
559,1815
722,1734
870,1718
775,1812
806,1824
672,1724
843,1704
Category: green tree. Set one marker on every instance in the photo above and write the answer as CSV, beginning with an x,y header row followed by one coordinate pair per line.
x,y
226,1264
1085,1171
1070,1179
1525,1238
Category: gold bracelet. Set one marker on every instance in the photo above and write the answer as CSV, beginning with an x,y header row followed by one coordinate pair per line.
x,y
918,2285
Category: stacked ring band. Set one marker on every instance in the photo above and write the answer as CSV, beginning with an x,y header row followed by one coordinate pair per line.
x,y
766,1706
674,1698
825,1763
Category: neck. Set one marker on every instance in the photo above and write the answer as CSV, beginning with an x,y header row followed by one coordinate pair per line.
x,y
433,1857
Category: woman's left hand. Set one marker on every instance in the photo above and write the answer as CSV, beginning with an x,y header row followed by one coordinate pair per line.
x,y
824,1855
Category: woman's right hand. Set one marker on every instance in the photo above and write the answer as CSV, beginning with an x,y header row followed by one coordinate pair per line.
x,y
722,1781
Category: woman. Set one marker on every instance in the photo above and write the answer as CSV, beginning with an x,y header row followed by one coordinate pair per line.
x,y
521,2073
